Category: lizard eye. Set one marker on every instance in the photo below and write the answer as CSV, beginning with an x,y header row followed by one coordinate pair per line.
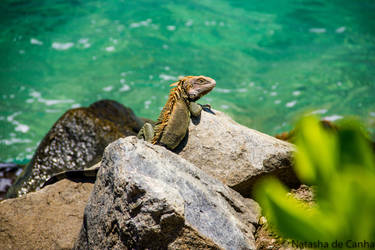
x,y
200,80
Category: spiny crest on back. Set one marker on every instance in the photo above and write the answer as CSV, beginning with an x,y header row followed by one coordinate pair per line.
x,y
175,94
188,88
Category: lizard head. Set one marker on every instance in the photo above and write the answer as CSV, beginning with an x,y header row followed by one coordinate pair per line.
x,y
196,86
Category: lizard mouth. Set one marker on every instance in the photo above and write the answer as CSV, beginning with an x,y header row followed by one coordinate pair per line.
x,y
213,83
208,87
202,91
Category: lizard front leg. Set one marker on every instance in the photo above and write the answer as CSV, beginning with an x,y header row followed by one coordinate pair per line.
x,y
195,109
146,133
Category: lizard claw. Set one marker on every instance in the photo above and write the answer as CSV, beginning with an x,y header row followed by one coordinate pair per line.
x,y
206,106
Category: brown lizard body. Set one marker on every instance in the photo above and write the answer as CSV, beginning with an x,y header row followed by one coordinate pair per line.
x,y
174,119
171,126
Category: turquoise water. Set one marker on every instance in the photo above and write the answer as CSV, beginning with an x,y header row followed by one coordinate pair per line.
x,y
272,60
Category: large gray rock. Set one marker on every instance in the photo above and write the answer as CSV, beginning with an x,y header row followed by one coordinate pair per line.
x,y
48,219
77,140
148,197
234,154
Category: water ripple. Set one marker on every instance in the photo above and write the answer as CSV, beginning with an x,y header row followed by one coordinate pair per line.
x,y
62,46
36,41
141,23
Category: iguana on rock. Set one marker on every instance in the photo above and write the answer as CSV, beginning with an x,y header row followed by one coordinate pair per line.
x,y
171,126
174,119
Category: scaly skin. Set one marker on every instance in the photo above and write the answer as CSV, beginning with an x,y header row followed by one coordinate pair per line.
x,y
171,126
174,119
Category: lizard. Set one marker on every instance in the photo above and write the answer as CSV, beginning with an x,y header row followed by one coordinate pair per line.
x,y
174,119
171,126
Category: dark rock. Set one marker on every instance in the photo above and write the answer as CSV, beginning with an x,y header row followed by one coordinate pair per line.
x,y
148,197
76,141
8,175
48,219
123,117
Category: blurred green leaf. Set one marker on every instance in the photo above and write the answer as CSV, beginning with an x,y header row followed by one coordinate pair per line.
x,y
287,214
317,152
354,147
340,164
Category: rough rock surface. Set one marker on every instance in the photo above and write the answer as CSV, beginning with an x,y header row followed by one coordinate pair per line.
x,y
148,197
77,140
235,154
48,219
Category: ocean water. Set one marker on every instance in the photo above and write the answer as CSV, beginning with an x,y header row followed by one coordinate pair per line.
x,y
272,60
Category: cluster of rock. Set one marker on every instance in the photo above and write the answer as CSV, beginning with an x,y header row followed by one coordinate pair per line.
x,y
146,196
77,140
